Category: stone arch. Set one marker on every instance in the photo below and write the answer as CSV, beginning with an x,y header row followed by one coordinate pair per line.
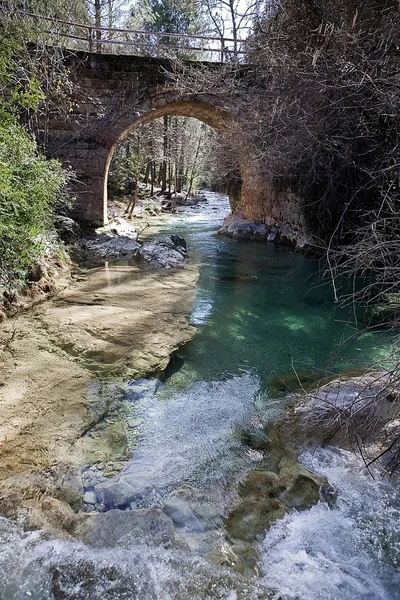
x,y
208,113
112,95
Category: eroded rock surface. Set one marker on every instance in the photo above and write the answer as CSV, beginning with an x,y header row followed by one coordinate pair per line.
x,y
111,321
364,408
165,251
124,528
266,496
120,321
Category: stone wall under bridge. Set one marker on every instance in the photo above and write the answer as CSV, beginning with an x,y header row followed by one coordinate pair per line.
x,y
115,93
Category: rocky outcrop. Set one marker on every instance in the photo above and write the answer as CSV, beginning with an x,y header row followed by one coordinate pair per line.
x,y
55,415
165,252
236,226
348,412
266,496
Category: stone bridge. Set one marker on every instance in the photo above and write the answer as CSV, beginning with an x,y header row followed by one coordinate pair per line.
x,y
113,95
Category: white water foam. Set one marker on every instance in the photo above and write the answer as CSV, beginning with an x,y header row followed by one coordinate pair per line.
x,y
191,434
348,552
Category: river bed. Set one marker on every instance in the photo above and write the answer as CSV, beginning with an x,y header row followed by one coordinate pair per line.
x,y
261,313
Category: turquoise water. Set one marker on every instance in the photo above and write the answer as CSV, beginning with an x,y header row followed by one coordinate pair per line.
x,y
263,307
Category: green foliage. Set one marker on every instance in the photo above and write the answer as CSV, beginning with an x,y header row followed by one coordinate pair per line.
x,y
29,185
125,168
169,16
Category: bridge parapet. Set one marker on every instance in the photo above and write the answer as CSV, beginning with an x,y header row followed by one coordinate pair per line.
x,y
79,36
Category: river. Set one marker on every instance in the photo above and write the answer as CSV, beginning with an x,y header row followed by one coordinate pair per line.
x,y
261,313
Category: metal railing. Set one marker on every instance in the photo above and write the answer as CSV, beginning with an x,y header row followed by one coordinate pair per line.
x,y
77,36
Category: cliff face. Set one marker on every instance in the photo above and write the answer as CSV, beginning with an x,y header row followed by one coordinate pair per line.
x,y
272,206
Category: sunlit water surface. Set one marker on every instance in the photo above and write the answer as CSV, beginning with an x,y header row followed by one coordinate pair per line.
x,y
261,312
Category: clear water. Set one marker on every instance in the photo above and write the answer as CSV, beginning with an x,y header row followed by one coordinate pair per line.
x,y
260,312
264,309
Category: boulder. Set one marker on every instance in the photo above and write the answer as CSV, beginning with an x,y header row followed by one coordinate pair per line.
x,y
124,528
347,409
249,520
49,514
242,229
301,487
165,252
69,230
266,496
264,484
116,493
104,246
182,515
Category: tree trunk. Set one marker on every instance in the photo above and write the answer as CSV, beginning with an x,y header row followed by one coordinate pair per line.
x,y
97,22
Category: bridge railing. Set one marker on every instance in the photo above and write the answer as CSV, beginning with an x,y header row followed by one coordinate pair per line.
x,y
77,36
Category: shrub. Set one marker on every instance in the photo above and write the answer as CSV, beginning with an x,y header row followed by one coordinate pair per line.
x,y
29,186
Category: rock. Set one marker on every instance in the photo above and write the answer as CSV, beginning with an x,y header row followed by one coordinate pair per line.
x,y
90,497
124,528
114,240
107,441
194,508
105,246
261,484
266,496
69,230
344,409
182,515
242,229
301,486
48,514
165,251
241,557
116,494
252,517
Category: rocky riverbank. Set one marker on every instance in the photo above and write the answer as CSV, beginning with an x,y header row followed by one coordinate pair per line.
x,y
121,321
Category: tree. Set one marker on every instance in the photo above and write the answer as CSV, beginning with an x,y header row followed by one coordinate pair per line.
x,y
232,19
29,184
168,153
169,16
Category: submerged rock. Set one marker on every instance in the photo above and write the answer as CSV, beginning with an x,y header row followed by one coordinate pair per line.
x,y
302,488
124,528
165,251
117,493
249,520
182,515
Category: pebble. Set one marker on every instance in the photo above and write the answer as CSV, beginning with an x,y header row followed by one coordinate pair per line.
x,y
90,497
